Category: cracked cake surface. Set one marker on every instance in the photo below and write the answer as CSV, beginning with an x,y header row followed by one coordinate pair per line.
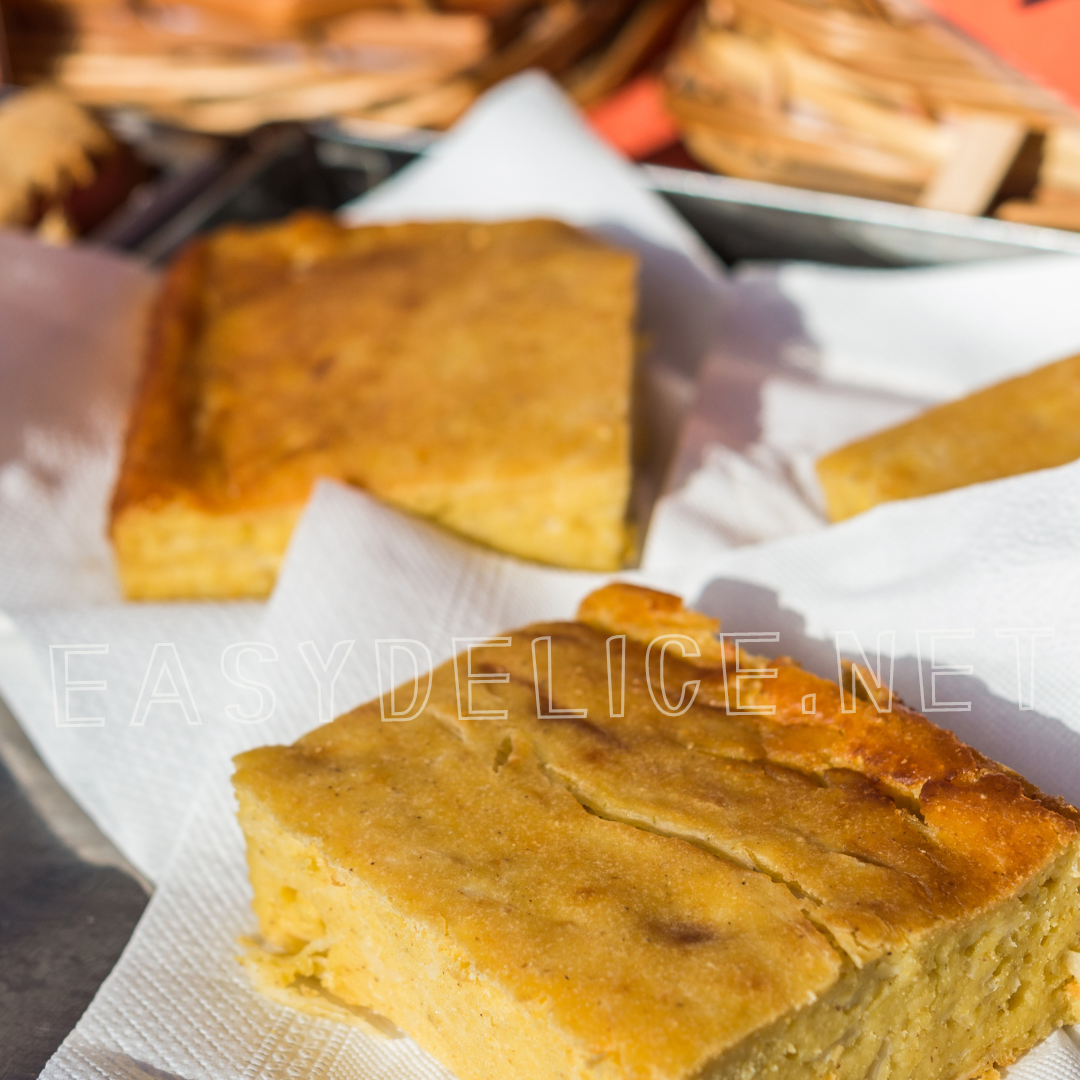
x,y
574,876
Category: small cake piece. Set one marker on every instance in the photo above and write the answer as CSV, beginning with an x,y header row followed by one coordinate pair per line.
x,y
567,873
1027,423
478,374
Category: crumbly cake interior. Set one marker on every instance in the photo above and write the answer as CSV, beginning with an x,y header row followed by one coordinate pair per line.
x,y
1013,427
564,891
477,374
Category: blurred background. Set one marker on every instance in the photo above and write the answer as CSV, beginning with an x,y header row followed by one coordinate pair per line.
x,y
138,122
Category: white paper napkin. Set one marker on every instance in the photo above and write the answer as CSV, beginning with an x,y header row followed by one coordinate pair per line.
x,y
82,682
814,357
940,331
995,564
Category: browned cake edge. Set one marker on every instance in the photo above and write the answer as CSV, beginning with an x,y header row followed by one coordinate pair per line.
x,y
169,544
157,466
901,748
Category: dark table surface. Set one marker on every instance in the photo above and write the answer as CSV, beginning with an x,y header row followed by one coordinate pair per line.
x,y
68,904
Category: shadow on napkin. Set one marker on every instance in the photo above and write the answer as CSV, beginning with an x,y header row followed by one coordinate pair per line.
x,y
120,1066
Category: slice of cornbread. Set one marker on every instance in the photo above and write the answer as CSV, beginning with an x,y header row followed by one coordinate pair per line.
x,y
562,875
1027,423
476,374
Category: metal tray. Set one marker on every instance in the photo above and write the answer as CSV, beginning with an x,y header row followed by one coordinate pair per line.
x,y
286,167
744,219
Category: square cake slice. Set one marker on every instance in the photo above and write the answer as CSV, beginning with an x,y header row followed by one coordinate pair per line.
x,y
599,864
477,374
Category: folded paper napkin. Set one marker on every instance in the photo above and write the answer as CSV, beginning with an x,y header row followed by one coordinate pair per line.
x,y
813,357
983,579
994,663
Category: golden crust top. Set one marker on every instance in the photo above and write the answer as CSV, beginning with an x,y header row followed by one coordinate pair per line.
x,y
888,825
289,323
885,826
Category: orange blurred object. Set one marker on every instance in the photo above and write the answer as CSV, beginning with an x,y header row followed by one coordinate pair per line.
x,y
635,120
1041,38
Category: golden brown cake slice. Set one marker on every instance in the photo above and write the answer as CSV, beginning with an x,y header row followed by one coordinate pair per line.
x,y
565,876
476,374
1027,423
